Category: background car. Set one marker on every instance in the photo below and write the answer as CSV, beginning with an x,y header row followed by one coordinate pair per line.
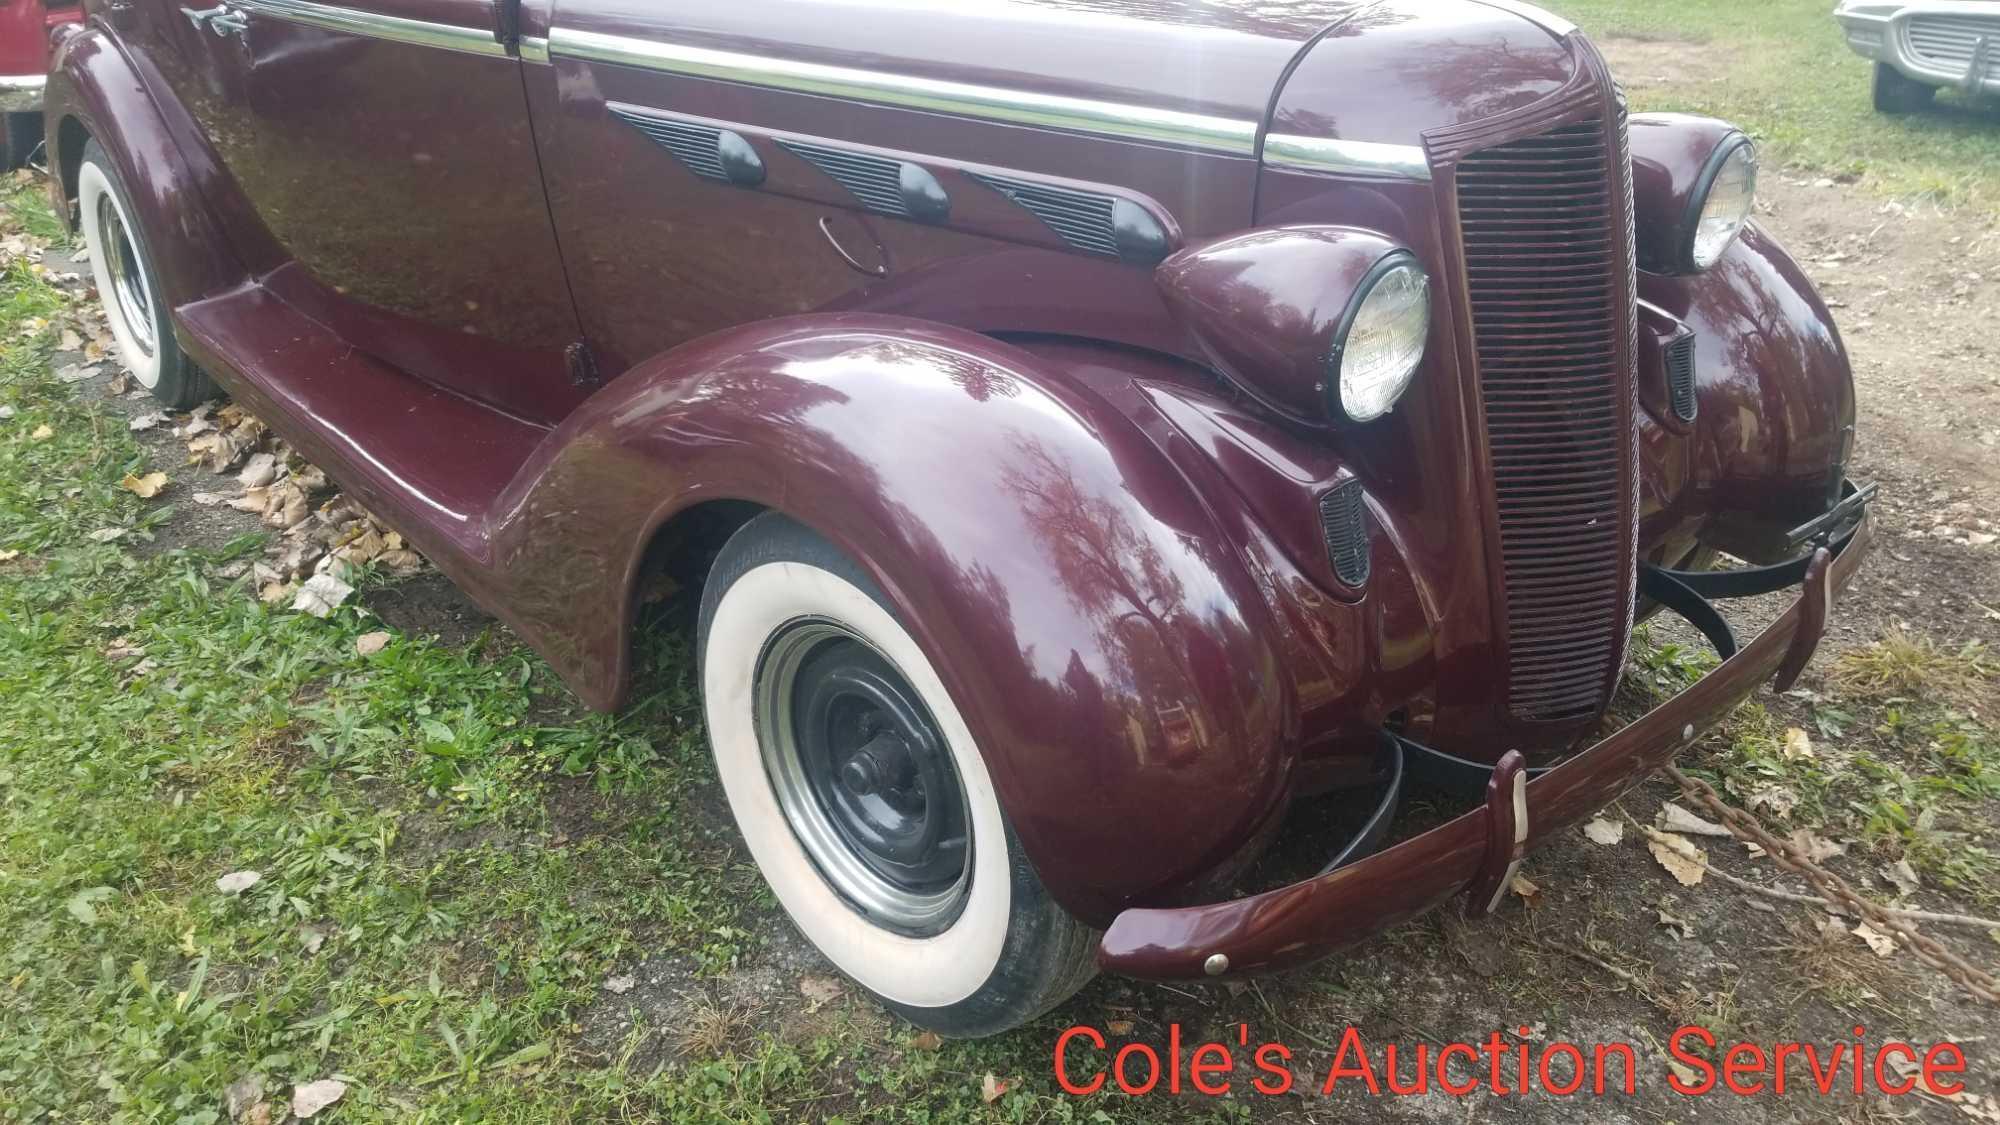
x,y
24,65
1922,46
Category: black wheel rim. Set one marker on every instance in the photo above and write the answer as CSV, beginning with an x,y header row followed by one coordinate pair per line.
x,y
864,777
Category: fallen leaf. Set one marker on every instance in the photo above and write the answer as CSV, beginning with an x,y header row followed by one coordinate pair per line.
x,y
236,882
147,421
312,937
1679,927
1674,818
76,372
123,648
9,555
271,593
106,534
368,644
1881,943
1815,847
242,1094
990,1088
320,594
209,499
119,385
819,989
6,412
930,1041
312,1097
42,433
261,469
1525,887
620,985
1602,831
1119,1027
1779,799
145,487
1685,862
1798,744
1903,876
1682,1071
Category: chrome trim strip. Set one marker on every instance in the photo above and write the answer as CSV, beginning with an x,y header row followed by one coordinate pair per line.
x,y
470,40
534,49
1347,158
1129,122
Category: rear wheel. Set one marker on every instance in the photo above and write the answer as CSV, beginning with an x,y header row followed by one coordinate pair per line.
x,y
863,797
1895,93
128,286
23,134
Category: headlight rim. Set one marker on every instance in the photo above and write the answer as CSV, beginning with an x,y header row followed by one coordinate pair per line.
x,y
1394,259
1704,184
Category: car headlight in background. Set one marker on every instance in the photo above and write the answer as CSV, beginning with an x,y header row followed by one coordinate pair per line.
x,y
1722,201
1381,340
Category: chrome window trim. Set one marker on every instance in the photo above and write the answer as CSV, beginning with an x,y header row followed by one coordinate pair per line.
x,y
1347,158
534,49
374,25
1083,115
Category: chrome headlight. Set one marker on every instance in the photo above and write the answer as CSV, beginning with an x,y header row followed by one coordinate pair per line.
x,y
1381,339
1722,201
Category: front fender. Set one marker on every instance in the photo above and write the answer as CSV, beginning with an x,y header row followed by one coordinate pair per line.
x,y
97,90
1775,428
1090,620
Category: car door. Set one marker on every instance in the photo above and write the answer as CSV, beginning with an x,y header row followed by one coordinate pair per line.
x,y
385,151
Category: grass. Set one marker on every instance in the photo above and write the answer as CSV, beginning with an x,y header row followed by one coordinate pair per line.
x,y
1782,71
422,927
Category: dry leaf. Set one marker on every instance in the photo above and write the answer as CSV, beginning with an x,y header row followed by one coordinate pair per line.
x,y
1602,831
1679,927
209,499
320,594
1779,799
620,985
42,433
236,882
261,469
1903,876
368,644
927,1041
271,593
990,1088
312,1097
242,1094
819,989
120,384
1685,862
106,534
1881,943
1525,887
147,421
1815,847
1798,744
145,487
1674,818
1118,1027
9,556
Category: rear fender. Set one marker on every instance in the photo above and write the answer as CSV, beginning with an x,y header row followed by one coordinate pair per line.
x,y
96,90
1080,603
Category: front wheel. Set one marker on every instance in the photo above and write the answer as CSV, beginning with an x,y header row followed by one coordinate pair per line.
x,y
863,797
1895,93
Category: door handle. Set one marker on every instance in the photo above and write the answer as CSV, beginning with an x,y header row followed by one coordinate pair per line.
x,y
221,19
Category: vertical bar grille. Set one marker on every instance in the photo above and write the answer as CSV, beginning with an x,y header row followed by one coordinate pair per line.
x,y
1547,256
1344,519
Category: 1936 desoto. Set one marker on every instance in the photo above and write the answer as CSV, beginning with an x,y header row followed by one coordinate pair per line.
x,y
1091,425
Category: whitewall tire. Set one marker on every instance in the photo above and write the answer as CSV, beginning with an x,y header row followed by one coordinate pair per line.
x,y
128,286
863,797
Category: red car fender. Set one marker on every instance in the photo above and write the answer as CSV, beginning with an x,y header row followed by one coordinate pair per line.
x,y
1090,619
96,90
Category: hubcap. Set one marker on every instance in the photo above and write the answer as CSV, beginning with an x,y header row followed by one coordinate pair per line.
x,y
128,281
864,777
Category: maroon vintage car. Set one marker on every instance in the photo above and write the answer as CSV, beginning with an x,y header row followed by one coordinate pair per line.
x,y
24,66
1092,425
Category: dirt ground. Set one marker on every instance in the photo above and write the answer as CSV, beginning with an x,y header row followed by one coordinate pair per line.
x,y
1610,949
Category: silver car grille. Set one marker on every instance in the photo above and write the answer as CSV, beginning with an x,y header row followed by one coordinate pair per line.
x,y
1947,41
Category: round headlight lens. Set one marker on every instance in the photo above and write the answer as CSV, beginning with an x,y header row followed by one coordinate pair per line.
x,y
1383,338
1731,193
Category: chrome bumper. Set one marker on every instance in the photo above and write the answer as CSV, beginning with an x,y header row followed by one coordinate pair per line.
x,y
1944,30
21,93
